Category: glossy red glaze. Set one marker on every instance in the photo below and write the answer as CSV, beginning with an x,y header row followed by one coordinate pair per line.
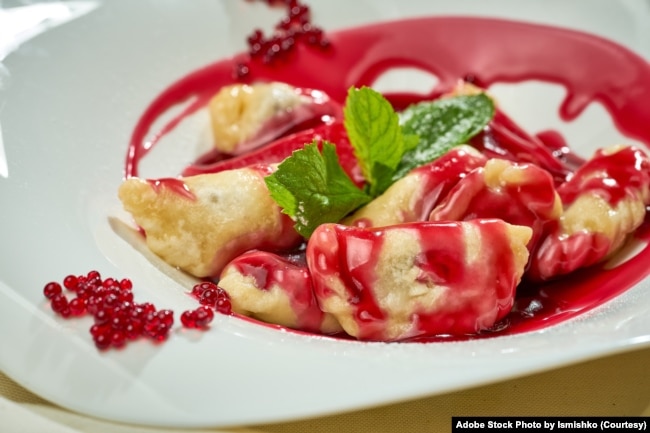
x,y
434,181
617,176
476,293
612,176
590,68
291,276
280,149
440,176
503,138
529,201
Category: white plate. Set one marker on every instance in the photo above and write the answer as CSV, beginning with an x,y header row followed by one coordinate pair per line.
x,y
73,96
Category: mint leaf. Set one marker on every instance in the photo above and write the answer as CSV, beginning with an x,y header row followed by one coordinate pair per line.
x,y
376,136
441,125
313,189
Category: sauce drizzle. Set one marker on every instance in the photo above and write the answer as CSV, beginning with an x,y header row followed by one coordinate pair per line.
x,y
590,68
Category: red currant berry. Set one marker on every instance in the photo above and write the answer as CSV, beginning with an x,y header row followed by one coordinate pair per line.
x,y
111,300
203,316
209,297
96,329
52,289
102,316
59,303
83,292
118,339
223,304
94,304
126,284
77,306
126,296
199,288
199,318
147,307
134,329
103,340
158,324
71,282
255,38
119,322
166,317
241,71
188,319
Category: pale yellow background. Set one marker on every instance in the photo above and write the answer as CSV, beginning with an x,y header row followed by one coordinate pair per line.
x,y
614,385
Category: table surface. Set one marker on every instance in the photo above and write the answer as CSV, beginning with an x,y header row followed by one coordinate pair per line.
x,y
617,385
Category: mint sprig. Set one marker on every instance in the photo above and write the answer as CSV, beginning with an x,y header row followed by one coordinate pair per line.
x,y
312,188
441,125
376,137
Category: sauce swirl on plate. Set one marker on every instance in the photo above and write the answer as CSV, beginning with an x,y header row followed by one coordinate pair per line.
x,y
490,51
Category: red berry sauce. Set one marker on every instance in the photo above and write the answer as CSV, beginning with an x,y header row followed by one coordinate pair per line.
x,y
453,48
333,258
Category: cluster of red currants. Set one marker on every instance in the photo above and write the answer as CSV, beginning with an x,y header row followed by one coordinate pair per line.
x,y
294,28
118,319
